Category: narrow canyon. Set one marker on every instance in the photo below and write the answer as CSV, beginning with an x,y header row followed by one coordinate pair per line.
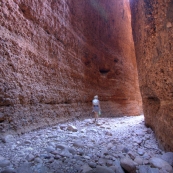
x,y
56,55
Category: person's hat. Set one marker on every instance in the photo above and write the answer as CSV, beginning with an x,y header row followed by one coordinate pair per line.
x,y
96,97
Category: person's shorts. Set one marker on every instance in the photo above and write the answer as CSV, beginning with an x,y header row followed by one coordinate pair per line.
x,y
96,108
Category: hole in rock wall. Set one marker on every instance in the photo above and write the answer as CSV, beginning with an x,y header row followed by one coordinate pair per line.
x,y
104,71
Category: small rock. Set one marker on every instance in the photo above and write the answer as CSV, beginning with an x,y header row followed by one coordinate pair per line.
x,y
8,138
72,128
149,131
138,160
85,168
50,149
101,169
30,158
168,157
65,153
61,146
24,168
92,164
38,160
164,171
57,157
9,170
109,146
102,161
145,162
28,149
108,133
159,163
54,152
78,144
51,160
109,163
27,142
45,156
93,130
80,152
98,124
77,157
62,127
4,163
132,155
2,158
146,156
128,165
86,157
104,151
83,131
147,169
140,133
138,141
117,167
125,150
141,151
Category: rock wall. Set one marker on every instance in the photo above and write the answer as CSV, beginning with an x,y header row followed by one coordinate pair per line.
x,y
152,23
56,55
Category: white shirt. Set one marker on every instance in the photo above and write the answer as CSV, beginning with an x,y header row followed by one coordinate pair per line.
x,y
95,102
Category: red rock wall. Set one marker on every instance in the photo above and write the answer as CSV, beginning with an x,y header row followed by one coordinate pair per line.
x,y
56,55
152,23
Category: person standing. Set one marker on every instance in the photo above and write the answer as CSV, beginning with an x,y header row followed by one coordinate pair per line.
x,y
96,108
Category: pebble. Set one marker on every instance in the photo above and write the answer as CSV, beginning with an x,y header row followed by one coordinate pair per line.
x,y
128,164
85,168
147,169
138,160
4,163
159,163
72,128
168,157
8,170
30,158
7,138
101,169
117,167
92,164
141,151
78,144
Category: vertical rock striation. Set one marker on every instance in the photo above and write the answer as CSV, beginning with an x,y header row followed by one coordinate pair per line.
x,y
152,23
56,55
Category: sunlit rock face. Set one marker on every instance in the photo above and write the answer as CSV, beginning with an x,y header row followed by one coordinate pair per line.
x,y
152,23
57,54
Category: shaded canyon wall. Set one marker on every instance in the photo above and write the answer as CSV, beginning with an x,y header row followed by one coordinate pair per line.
x,y
56,55
152,23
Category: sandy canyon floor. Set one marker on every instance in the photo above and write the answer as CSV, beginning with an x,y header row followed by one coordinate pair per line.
x,y
113,145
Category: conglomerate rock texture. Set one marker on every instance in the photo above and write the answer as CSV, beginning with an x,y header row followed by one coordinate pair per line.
x,y
152,23
57,54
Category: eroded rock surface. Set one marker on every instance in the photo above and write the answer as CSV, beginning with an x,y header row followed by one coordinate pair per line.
x,y
153,36
56,55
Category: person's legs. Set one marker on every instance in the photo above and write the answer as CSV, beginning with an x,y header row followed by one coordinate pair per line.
x,y
96,117
96,113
